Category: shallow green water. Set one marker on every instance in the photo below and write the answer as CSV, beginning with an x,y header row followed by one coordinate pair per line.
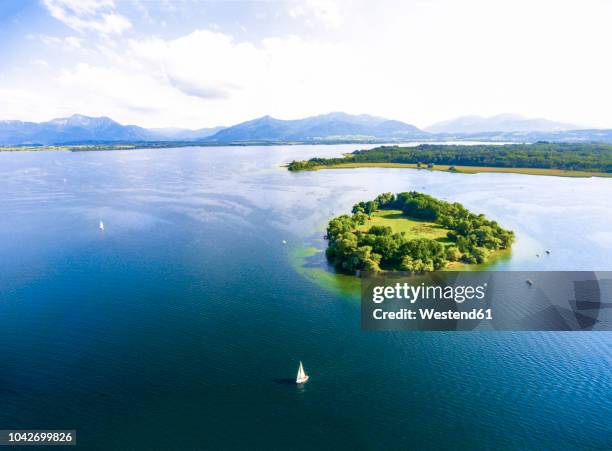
x,y
181,324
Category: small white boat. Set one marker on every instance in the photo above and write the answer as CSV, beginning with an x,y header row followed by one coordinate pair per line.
x,y
529,282
284,241
301,375
101,225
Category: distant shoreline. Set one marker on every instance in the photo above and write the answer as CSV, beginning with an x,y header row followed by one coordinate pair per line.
x,y
169,145
173,144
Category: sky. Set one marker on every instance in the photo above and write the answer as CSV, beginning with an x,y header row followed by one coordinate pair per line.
x,y
199,64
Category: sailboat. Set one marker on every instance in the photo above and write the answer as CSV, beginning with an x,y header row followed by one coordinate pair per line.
x,y
301,375
101,225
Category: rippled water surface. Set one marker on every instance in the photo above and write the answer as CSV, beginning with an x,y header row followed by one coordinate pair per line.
x,y
180,324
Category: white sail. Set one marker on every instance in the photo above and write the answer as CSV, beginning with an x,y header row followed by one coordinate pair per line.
x,y
301,375
101,225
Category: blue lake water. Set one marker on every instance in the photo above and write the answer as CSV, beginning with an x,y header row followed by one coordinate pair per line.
x,y
179,326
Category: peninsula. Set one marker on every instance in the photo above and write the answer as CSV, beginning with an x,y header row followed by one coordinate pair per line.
x,y
542,158
413,232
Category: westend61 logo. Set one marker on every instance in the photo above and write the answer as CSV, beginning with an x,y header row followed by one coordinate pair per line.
x,y
487,301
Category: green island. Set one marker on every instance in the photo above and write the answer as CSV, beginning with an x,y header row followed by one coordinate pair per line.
x,y
413,232
542,158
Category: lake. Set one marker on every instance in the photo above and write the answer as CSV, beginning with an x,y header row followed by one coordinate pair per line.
x,y
181,325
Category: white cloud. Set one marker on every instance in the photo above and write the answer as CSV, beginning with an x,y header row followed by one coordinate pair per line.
x,y
72,42
414,61
50,40
203,63
202,78
23,104
320,12
89,15
67,43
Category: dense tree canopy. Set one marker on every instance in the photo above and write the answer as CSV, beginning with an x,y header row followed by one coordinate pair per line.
x,y
566,156
470,237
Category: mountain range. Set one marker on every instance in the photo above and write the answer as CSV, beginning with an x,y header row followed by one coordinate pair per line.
x,y
183,134
79,129
499,123
332,127
84,129
76,128
338,126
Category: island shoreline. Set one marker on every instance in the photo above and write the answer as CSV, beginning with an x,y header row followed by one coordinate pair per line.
x,y
467,169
